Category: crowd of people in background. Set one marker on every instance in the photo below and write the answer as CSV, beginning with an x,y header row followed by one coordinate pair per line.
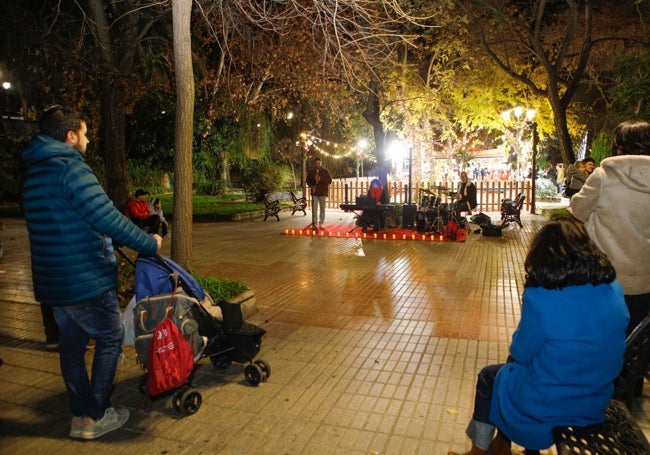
x,y
567,181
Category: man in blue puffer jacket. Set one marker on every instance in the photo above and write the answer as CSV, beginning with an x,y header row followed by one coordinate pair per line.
x,y
72,223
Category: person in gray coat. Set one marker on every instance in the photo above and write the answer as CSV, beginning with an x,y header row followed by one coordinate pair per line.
x,y
614,204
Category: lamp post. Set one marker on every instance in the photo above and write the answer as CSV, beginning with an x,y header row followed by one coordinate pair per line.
x,y
7,85
534,151
361,145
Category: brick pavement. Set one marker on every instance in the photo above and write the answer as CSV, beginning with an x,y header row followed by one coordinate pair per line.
x,y
374,347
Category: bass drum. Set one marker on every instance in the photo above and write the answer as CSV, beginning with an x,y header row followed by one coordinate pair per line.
x,y
421,221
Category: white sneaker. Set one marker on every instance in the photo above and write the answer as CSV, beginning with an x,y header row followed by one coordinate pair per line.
x,y
113,419
76,427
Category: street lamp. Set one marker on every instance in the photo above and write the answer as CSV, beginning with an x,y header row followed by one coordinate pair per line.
x,y
534,151
7,85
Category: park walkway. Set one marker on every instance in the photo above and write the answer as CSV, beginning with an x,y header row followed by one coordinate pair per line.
x,y
374,347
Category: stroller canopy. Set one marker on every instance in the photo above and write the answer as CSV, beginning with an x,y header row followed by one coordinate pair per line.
x,y
154,275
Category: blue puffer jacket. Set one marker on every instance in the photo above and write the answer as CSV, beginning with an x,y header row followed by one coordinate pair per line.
x,y
71,222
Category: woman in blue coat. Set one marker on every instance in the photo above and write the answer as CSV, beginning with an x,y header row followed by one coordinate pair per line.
x,y
566,351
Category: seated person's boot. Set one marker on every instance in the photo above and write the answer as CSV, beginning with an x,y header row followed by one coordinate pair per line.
x,y
500,445
473,451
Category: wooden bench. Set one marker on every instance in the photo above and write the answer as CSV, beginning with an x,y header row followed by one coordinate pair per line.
x,y
278,201
619,434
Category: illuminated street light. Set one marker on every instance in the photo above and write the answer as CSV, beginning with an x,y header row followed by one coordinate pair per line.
x,y
7,85
362,144
397,153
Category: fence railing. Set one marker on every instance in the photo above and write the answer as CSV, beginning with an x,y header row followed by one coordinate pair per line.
x,y
488,193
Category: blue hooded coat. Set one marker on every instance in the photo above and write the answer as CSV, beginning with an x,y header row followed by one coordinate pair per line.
x,y
568,348
71,223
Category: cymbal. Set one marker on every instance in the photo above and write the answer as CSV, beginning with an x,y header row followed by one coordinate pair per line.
x,y
440,188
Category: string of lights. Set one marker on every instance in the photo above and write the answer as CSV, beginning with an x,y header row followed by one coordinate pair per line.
x,y
313,142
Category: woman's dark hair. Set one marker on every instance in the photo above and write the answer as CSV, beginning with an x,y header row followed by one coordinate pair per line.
x,y
631,138
562,254
56,121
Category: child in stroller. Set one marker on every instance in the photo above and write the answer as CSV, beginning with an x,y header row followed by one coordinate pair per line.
x,y
160,283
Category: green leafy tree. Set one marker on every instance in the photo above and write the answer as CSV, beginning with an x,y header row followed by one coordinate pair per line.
x,y
547,46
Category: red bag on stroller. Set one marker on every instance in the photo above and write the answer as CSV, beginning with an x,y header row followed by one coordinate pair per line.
x,y
170,359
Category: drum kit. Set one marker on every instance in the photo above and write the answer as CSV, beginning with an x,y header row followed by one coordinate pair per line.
x,y
433,215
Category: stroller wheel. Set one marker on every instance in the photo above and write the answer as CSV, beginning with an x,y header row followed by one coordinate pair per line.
x,y
177,401
253,374
265,367
187,402
220,363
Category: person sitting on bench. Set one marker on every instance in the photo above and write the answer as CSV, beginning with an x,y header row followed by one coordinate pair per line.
x,y
560,370
139,211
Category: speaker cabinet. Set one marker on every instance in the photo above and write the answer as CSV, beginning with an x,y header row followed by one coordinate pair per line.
x,y
409,211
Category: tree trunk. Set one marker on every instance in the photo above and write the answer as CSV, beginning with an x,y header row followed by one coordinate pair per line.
x,y
560,121
372,116
182,232
112,101
112,143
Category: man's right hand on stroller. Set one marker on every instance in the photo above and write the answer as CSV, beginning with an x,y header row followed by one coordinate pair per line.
x,y
158,241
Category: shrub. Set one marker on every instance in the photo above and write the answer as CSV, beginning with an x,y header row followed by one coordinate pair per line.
x,y
258,180
545,188
218,288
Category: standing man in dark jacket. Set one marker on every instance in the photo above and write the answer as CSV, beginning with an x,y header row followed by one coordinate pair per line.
x,y
319,180
72,224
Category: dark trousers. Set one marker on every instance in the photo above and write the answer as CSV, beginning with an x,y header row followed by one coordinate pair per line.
x,y
150,225
484,388
483,398
639,308
49,323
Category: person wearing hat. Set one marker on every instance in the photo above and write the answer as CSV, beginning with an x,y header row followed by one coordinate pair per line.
x,y
139,211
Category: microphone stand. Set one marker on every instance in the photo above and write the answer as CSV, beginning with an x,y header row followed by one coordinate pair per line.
x,y
313,225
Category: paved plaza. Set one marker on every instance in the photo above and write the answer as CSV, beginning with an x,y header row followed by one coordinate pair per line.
x,y
374,347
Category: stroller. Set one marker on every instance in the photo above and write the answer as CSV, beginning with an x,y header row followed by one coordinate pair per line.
x,y
163,288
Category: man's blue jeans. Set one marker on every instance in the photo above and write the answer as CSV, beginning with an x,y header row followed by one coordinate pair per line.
x,y
97,318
